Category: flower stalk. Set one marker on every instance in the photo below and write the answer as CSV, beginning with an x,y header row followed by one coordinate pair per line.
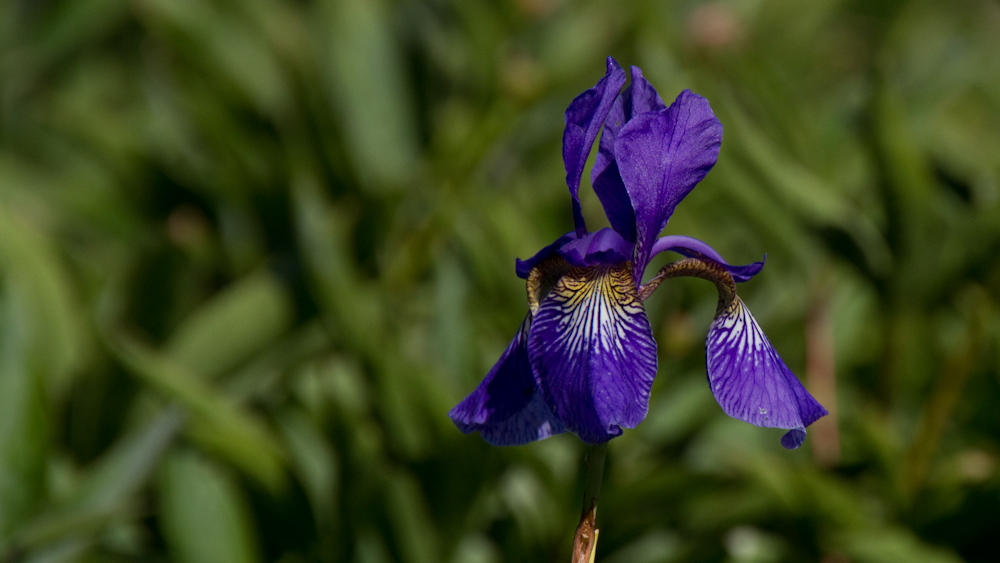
x,y
595,474
585,539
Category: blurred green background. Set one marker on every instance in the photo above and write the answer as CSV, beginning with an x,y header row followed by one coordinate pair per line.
x,y
252,252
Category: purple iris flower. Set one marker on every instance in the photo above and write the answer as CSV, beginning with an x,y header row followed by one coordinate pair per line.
x,y
584,358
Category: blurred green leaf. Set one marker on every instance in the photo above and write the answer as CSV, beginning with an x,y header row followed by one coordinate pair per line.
x,y
892,545
679,411
371,549
24,423
236,324
217,423
315,462
67,551
658,545
266,370
109,487
39,344
233,47
410,518
354,307
71,25
52,330
811,197
367,86
205,518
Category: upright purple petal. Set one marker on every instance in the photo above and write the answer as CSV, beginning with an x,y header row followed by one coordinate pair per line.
x,y
593,352
751,382
694,248
507,408
584,118
611,191
661,156
638,97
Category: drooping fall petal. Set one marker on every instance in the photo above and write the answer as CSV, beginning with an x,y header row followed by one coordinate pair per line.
x,y
506,408
751,382
593,352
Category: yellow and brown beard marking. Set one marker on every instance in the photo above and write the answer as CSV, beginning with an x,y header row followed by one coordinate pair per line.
x,y
543,277
613,282
704,269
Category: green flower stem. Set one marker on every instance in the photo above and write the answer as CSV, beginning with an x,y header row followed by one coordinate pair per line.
x,y
585,539
595,474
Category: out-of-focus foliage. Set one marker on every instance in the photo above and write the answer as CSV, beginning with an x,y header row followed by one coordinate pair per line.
x,y
253,251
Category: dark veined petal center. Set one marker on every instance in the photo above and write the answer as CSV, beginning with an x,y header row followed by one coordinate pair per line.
x,y
593,352
543,277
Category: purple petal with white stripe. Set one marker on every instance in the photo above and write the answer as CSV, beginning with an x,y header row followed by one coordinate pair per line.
x,y
638,97
507,408
694,248
593,352
751,382
661,156
584,118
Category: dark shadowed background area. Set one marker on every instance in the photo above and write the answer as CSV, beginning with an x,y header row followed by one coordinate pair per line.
x,y
252,252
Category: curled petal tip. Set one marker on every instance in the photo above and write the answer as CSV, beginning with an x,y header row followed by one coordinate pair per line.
x,y
612,65
793,438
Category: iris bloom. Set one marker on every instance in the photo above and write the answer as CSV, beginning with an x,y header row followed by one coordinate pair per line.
x,y
584,358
